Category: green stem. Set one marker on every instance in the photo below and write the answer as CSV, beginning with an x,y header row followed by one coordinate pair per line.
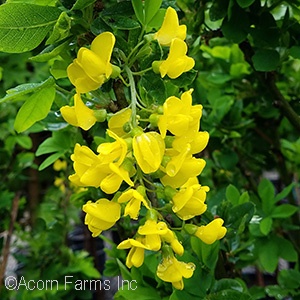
x,y
133,96
142,71
133,51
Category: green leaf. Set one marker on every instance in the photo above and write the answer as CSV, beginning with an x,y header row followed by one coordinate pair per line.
x,y
232,194
236,214
285,192
139,10
124,271
24,26
24,141
61,29
151,8
237,27
266,193
244,198
284,211
218,10
59,142
265,225
227,284
295,52
126,291
80,4
245,3
268,253
50,160
50,52
36,108
19,91
289,279
265,60
208,254
286,249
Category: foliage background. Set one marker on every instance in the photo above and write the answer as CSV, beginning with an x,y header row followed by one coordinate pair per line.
x,y
247,79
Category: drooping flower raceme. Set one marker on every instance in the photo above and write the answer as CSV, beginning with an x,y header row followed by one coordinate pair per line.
x,y
149,160
101,215
92,66
170,28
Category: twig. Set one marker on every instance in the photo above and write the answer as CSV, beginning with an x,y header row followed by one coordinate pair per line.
x,y
6,248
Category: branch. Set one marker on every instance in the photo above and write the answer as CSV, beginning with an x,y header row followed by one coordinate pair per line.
x,y
5,250
268,79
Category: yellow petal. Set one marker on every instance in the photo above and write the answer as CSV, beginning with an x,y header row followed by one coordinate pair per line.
x,y
103,209
68,113
85,116
80,79
117,121
103,46
170,28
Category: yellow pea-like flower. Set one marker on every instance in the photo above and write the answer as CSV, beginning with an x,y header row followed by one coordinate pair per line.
x,y
190,167
211,232
170,28
153,232
92,66
79,115
171,238
136,253
180,117
172,270
177,61
101,215
134,200
87,166
190,200
148,150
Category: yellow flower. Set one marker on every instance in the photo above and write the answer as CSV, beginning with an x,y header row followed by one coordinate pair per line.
x,y
103,170
170,28
79,115
211,232
92,67
197,141
134,199
136,254
88,167
189,201
59,165
148,150
153,231
113,180
171,238
101,215
177,61
117,121
190,167
115,151
172,270
180,117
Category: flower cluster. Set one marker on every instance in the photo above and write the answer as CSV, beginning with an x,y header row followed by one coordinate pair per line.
x,y
144,157
172,35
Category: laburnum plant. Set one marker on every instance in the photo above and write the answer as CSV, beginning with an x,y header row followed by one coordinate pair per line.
x,y
147,166
128,86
